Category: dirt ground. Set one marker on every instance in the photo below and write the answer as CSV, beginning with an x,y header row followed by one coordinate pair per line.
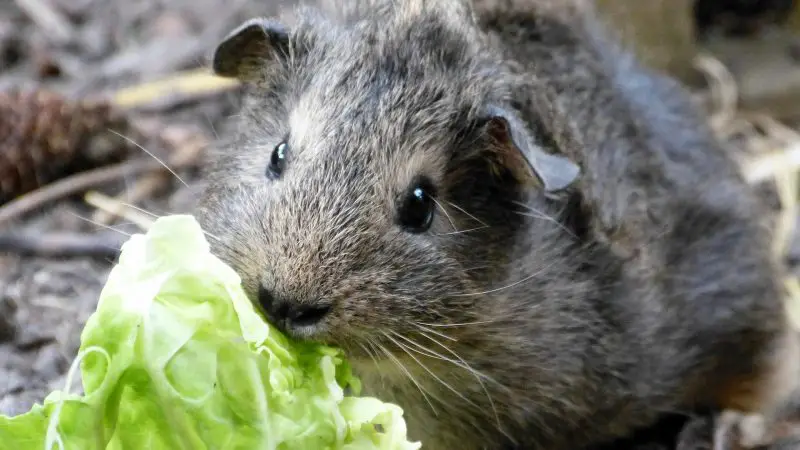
x,y
81,47
92,46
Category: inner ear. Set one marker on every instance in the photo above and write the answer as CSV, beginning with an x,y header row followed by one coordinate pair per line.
x,y
245,51
515,149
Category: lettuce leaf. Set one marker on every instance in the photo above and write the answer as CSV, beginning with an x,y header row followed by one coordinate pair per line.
x,y
176,357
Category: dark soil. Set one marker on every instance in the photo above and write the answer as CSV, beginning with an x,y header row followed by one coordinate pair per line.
x,y
99,46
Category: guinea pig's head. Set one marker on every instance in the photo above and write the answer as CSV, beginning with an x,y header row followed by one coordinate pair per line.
x,y
371,184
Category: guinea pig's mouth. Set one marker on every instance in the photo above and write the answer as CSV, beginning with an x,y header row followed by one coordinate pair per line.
x,y
376,348
306,332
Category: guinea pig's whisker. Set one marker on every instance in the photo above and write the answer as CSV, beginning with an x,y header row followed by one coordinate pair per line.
x,y
141,210
370,354
211,236
459,358
536,214
468,269
211,125
470,215
454,325
406,349
403,368
151,155
373,354
502,288
477,374
101,225
460,363
460,232
429,330
426,351
450,219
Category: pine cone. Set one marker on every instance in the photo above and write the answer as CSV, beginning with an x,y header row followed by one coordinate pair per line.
x,y
44,136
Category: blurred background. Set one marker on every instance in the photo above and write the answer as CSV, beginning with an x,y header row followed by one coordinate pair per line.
x,y
106,107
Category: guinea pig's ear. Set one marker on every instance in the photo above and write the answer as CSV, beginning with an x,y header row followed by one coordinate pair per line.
x,y
244,51
519,152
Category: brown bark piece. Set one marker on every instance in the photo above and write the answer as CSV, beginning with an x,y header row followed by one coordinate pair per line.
x,y
44,137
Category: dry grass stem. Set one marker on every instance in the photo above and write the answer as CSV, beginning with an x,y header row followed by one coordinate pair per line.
x,y
184,85
118,208
768,151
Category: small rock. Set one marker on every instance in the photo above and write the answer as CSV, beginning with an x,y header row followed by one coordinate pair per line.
x,y
96,41
8,318
47,66
170,23
50,363
74,9
698,434
32,337
22,402
11,46
10,382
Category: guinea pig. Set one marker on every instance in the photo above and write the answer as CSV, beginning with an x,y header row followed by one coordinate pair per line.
x,y
516,232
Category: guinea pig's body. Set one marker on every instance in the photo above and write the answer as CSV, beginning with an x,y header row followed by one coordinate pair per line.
x,y
401,184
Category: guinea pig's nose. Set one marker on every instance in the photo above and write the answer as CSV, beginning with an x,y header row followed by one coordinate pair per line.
x,y
267,300
306,315
287,314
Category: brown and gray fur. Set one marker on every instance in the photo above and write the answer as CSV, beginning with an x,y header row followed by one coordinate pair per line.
x,y
523,318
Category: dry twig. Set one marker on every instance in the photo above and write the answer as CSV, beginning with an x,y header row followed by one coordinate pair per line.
x,y
184,86
45,136
118,208
45,16
62,244
723,92
187,145
51,136
74,184
141,189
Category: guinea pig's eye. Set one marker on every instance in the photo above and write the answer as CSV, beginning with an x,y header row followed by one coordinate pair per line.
x,y
277,162
416,208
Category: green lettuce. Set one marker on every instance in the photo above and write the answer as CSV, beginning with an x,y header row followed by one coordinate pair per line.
x,y
176,357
